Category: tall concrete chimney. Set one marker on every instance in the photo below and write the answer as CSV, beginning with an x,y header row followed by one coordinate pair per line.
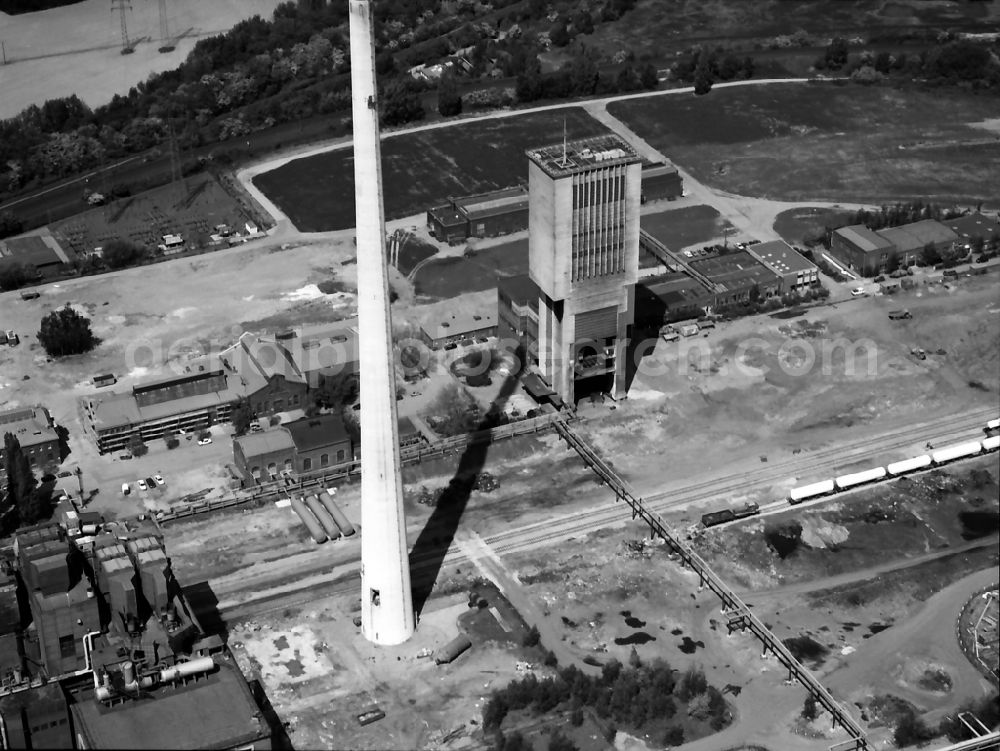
x,y
386,600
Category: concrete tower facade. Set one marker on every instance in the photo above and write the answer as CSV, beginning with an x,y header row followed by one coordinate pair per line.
x,y
583,253
386,599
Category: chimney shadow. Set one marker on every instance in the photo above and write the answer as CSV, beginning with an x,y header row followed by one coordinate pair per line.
x,y
428,552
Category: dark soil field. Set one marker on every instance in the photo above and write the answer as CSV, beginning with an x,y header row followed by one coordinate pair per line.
x,y
448,277
826,141
798,226
420,169
654,26
682,227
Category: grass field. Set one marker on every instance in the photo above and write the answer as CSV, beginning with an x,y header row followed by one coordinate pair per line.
x,y
796,226
655,27
827,142
680,228
420,169
448,277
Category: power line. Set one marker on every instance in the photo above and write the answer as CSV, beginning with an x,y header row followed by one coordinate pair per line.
x,y
121,6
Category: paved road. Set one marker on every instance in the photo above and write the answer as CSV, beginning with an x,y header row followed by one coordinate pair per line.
x,y
743,212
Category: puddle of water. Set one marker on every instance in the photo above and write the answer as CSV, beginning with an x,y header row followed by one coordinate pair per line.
x,y
639,637
689,646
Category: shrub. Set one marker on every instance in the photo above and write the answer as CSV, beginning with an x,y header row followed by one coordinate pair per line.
x,y
910,730
14,276
784,537
674,736
118,254
693,683
531,638
173,442
66,332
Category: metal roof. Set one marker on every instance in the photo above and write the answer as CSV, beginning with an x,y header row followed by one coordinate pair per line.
x,y
914,236
265,442
974,225
863,238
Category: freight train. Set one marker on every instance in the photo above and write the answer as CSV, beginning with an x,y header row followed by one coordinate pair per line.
x,y
895,469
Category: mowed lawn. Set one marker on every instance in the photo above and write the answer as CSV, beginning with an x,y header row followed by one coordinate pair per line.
x,y
420,169
449,277
797,226
824,141
688,226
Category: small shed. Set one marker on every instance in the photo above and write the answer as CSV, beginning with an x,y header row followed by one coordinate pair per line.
x,y
452,649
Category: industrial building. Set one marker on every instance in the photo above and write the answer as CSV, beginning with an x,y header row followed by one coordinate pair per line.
x,y
583,237
869,252
439,330
273,372
860,248
736,275
672,297
297,447
113,657
909,240
35,432
517,312
795,272
502,212
661,180
491,214
969,227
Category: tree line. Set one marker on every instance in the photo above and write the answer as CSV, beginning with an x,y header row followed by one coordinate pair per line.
x,y
24,501
967,62
262,73
636,698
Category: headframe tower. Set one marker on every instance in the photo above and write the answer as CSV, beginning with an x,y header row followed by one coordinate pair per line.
x,y
386,600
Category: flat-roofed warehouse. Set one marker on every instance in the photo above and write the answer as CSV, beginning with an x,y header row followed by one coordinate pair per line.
x,y
661,180
498,212
671,297
974,225
795,271
735,275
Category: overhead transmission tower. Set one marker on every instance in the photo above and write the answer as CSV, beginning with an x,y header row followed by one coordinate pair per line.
x,y
121,6
166,44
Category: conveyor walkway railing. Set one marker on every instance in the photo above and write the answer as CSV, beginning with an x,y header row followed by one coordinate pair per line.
x,y
739,615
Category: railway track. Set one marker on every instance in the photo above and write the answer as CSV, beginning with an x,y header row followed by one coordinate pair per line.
x,y
582,522
764,477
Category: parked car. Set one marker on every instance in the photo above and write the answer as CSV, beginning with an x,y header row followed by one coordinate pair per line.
x,y
142,485
150,483
858,292
204,441
126,489
159,480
